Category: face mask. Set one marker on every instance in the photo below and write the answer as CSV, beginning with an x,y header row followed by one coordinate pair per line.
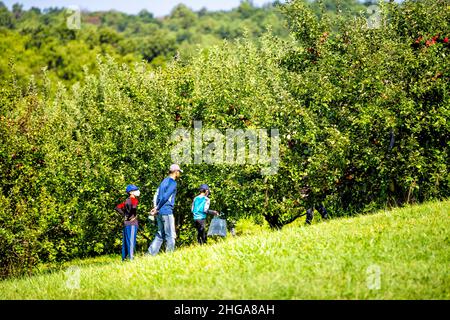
x,y
136,193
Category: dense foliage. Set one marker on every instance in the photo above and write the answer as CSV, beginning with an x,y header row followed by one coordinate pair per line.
x,y
362,115
41,38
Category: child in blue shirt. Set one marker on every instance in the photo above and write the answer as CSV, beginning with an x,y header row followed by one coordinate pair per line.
x,y
200,208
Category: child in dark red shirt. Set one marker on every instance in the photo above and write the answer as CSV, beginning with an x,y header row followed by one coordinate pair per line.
x,y
128,209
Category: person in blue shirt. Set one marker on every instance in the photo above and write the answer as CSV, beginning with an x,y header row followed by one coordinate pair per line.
x,y
200,208
164,203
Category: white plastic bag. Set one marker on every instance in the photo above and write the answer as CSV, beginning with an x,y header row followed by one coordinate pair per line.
x,y
218,227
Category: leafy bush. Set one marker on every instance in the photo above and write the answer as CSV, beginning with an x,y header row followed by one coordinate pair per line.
x,y
379,102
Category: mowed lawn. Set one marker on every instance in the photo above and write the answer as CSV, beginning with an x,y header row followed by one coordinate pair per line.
x,y
398,254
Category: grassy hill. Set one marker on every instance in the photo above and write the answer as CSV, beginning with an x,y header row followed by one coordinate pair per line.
x,y
398,254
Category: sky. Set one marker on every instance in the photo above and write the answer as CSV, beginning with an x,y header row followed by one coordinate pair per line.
x,y
157,7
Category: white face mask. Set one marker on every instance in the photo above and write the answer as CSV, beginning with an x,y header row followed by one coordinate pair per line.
x,y
136,193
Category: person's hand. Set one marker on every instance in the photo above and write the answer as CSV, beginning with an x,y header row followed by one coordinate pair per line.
x,y
216,213
154,211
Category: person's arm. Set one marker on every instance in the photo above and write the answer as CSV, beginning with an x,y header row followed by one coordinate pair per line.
x,y
153,211
206,208
155,198
119,208
166,193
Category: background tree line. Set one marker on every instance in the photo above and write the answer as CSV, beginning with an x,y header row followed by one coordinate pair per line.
x,y
40,38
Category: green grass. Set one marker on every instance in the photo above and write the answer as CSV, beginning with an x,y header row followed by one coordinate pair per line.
x,y
337,259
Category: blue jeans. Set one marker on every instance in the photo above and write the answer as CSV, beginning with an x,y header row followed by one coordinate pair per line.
x,y
166,231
